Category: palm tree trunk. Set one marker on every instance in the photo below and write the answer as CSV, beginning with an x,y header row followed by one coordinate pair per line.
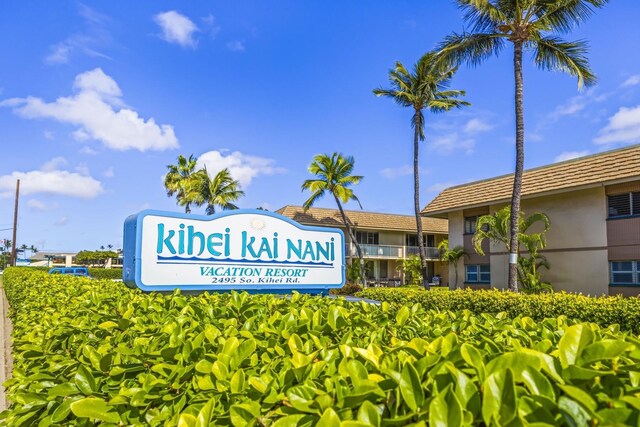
x,y
517,178
416,198
354,240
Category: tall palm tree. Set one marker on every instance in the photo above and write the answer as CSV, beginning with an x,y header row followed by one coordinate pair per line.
x,y
452,256
426,87
221,190
178,178
24,248
333,176
526,24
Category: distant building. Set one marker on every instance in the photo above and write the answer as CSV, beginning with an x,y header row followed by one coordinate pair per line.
x,y
385,239
593,203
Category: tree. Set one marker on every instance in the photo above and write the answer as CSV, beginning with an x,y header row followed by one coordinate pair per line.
x,y
178,180
531,25
496,228
333,175
412,268
452,256
221,190
426,87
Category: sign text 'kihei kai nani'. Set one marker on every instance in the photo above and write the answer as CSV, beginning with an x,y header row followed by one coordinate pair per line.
x,y
248,250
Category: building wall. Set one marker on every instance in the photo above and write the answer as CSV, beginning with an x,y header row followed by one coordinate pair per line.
x,y
576,242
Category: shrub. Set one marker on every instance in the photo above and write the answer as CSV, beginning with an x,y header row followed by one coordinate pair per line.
x,y
604,311
347,289
95,352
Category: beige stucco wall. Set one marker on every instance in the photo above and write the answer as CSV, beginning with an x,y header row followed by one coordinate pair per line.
x,y
576,242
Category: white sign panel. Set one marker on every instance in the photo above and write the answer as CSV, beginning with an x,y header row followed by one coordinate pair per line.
x,y
242,250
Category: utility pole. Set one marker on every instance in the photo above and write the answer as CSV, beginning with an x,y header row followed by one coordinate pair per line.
x,y
15,226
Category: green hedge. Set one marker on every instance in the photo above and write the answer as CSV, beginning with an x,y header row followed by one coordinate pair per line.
x,y
98,273
93,351
604,311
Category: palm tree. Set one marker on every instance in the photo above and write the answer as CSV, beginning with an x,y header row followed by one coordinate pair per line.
x,y
333,175
33,250
526,24
110,246
24,248
496,228
452,256
221,190
178,179
426,87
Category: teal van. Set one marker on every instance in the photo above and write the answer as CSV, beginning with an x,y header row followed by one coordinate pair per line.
x,y
73,271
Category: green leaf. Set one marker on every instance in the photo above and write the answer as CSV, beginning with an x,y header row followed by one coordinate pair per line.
x,y
329,419
94,408
603,350
368,413
411,387
402,316
205,415
473,357
187,420
84,381
237,381
62,411
573,412
575,339
64,389
445,410
244,414
499,400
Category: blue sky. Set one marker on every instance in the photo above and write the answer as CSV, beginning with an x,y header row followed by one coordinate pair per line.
x,y
96,98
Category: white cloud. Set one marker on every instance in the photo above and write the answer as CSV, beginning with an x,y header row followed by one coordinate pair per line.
x,y
53,164
109,173
623,127
92,37
95,109
393,173
243,167
440,186
209,24
236,46
452,142
177,28
62,221
83,169
36,205
632,81
49,135
476,125
569,155
63,183
88,151
52,181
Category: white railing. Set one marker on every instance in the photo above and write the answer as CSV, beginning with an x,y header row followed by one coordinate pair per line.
x,y
391,251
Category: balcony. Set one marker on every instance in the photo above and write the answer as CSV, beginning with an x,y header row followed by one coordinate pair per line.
x,y
391,251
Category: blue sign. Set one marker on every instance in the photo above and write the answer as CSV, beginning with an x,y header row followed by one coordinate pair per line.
x,y
251,250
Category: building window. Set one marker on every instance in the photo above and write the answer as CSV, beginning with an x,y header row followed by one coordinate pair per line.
x,y
625,272
477,273
470,224
626,204
412,240
367,238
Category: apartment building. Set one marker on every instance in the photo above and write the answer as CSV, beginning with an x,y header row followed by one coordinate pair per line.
x,y
593,203
385,239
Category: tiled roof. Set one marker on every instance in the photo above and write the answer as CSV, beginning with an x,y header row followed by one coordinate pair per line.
x,y
611,166
363,220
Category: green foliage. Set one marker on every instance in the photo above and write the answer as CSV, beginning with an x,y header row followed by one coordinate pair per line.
x,y
354,270
347,289
95,352
412,268
604,311
95,257
452,256
495,227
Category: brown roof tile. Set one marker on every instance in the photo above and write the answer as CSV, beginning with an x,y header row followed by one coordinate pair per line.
x,y
363,219
617,165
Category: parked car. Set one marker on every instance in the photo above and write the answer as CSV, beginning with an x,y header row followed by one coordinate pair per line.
x,y
73,271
